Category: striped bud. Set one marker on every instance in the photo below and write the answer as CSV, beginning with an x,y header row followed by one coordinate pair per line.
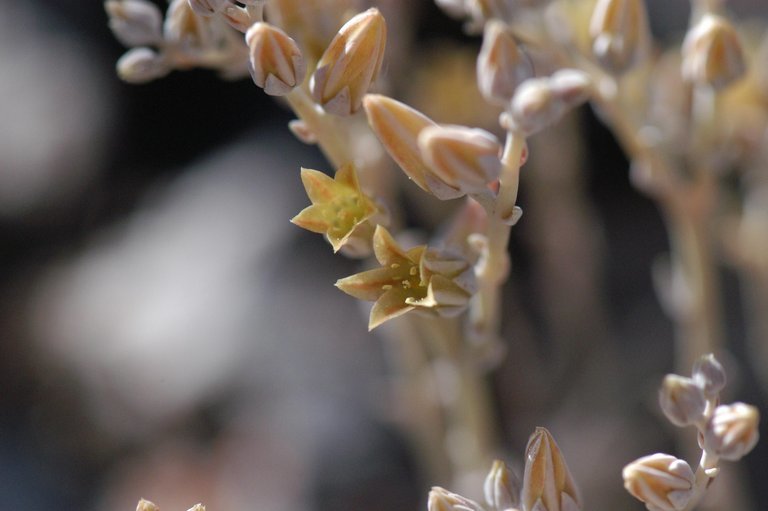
x,y
350,63
709,374
732,431
620,33
547,482
207,7
661,481
276,63
535,106
682,400
712,53
502,487
443,500
135,22
141,65
571,86
501,65
465,158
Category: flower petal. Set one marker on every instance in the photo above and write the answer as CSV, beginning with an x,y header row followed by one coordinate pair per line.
x,y
391,305
368,285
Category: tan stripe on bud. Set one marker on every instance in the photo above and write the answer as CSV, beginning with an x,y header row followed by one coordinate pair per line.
x,y
661,481
501,65
547,483
276,63
350,63
712,53
502,487
465,158
620,33
682,400
732,431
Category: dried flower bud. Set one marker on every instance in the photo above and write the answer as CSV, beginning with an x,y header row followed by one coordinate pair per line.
x,y
141,65
276,63
732,431
145,505
207,7
350,63
682,400
709,374
535,106
442,500
547,482
620,33
465,158
712,53
661,481
397,127
571,86
502,487
135,22
501,65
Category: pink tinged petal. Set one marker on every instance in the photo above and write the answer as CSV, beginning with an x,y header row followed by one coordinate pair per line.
x,y
391,305
320,187
368,285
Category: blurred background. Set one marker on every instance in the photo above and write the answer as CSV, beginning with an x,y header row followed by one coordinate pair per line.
x,y
166,333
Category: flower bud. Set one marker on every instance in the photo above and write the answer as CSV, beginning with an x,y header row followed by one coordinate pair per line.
x,y
350,63
397,127
145,505
141,65
135,22
207,7
501,65
571,86
661,481
535,106
547,482
276,63
709,374
681,400
620,33
465,158
732,431
502,487
712,53
197,507
443,500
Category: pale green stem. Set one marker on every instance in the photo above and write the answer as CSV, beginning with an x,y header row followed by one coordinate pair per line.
x,y
326,127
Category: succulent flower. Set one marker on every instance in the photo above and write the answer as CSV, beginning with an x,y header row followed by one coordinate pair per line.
x,y
420,279
145,505
135,22
547,483
276,63
682,400
709,374
502,487
661,481
732,431
620,33
501,65
712,53
441,499
141,65
339,207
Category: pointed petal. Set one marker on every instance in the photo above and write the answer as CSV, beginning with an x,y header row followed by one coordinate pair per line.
x,y
391,305
368,285
311,219
320,187
346,175
386,248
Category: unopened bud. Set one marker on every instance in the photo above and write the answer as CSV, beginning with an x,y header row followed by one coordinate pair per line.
x,y
571,86
501,65
535,107
197,507
350,63
661,481
709,374
732,431
443,500
681,400
135,22
712,53
502,487
141,65
207,7
276,63
547,482
145,505
464,158
397,126
620,33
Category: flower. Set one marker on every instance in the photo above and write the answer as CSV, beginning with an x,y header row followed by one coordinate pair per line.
x,y
732,431
276,63
682,400
417,279
663,482
547,483
441,499
339,207
502,487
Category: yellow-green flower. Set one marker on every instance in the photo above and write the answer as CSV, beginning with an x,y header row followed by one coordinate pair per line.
x,y
417,279
339,208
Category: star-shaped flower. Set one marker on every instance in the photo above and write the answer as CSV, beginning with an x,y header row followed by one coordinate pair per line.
x,y
339,208
419,279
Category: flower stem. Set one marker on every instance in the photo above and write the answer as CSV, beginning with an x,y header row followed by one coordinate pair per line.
x,y
329,132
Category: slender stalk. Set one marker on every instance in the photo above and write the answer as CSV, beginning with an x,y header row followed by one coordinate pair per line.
x,y
329,132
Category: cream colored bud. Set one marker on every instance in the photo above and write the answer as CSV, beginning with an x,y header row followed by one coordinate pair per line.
x,y
443,500
682,400
571,86
135,22
661,481
712,53
501,65
276,63
620,33
397,127
145,505
535,106
197,507
732,431
547,482
502,487
350,63
141,65
465,158
709,374
207,7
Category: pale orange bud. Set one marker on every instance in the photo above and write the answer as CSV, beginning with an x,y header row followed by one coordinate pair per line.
x,y
712,53
732,431
682,400
501,65
350,63
661,481
547,483
620,33
442,500
276,63
502,487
